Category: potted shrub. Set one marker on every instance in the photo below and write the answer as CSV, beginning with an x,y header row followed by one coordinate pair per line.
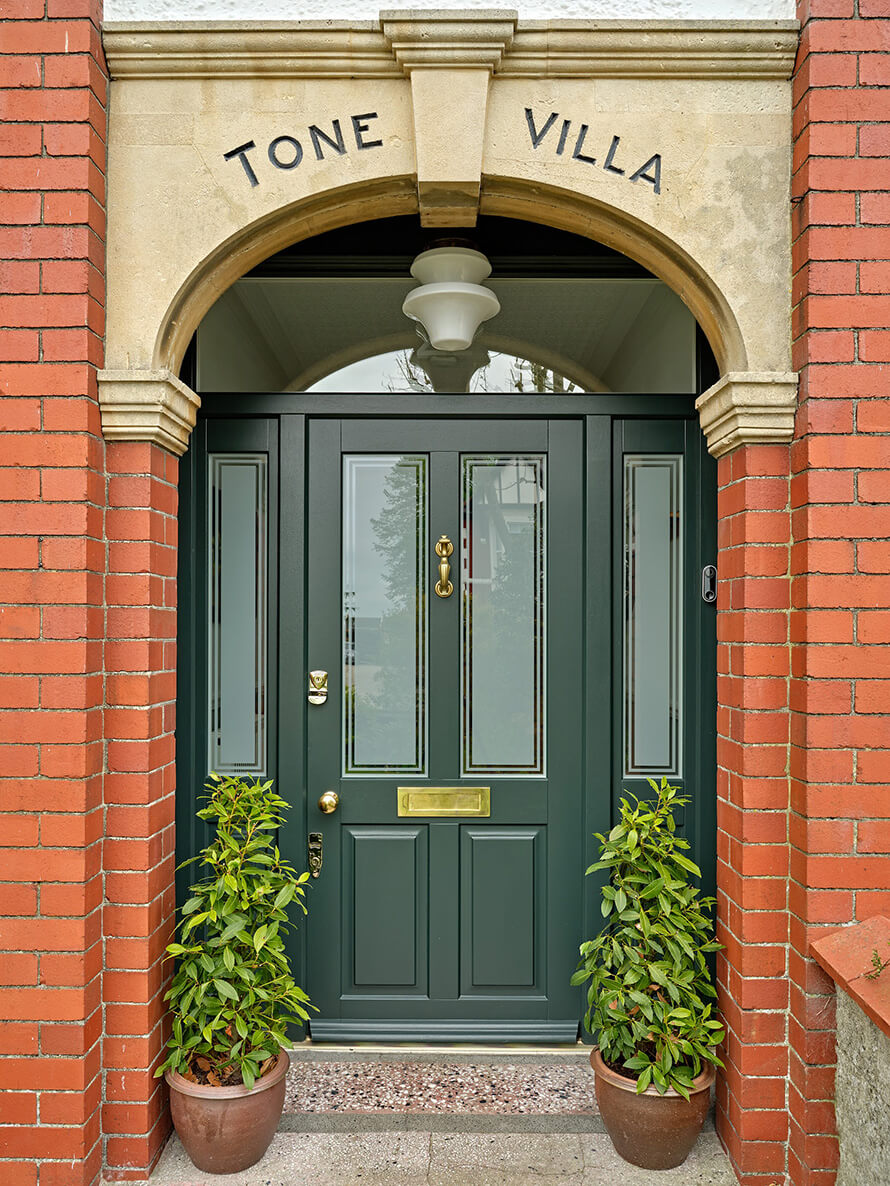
x,y
233,996
650,989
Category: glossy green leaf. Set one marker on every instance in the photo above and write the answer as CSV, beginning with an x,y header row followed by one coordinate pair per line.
x,y
235,921
648,980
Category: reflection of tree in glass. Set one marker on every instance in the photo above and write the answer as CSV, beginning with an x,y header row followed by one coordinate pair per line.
x,y
525,376
506,618
410,378
534,376
391,699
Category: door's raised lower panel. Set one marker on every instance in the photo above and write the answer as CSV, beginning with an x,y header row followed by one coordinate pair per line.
x,y
385,890
374,1030
502,910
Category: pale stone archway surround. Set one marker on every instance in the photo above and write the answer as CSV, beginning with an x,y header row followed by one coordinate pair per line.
x,y
441,102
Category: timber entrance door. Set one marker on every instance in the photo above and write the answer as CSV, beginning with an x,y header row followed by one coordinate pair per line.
x,y
445,605
506,596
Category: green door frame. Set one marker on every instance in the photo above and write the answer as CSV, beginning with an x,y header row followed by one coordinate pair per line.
x,y
604,417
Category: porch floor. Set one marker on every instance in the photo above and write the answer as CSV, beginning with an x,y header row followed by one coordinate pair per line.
x,y
448,1159
370,1116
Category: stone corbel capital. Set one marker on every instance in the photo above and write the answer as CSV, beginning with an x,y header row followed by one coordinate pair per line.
x,y
748,408
147,406
429,38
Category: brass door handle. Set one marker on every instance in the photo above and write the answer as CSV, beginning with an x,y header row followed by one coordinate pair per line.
x,y
328,802
444,549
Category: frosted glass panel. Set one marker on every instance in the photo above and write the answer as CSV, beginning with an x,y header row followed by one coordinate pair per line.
x,y
384,614
237,575
503,624
653,619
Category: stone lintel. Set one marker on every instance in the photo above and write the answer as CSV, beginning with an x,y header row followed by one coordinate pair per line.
x,y
393,45
748,408
653,49
147,406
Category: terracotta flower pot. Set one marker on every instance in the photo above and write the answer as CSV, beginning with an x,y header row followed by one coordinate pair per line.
x,y
227,1129
651,1130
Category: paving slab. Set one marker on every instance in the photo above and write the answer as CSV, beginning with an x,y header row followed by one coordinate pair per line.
x,y
706,1165
507,1159
448,1159
372,1159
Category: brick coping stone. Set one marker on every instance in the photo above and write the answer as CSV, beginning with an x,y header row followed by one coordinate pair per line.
x,y
846,957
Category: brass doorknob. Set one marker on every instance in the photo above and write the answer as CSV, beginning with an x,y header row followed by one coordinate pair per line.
x,y
328,802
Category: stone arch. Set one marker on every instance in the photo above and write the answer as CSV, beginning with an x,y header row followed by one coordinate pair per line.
x,y
456,99
548,205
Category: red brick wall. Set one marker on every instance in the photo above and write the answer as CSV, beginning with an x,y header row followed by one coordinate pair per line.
x,y
822,654
52,487
140,659
840,561
51,595
88,554
752,821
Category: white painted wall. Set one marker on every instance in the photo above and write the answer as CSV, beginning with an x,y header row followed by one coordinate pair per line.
x,y
364,10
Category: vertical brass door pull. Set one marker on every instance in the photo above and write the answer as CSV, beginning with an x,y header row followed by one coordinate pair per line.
x,y
444,548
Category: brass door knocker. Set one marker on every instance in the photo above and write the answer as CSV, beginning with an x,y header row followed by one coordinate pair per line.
x,y
444,549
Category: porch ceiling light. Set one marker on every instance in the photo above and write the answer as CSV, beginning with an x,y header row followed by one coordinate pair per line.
x,y
451,303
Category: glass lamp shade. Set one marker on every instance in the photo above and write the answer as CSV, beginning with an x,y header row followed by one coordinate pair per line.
x,y
450,303
451,263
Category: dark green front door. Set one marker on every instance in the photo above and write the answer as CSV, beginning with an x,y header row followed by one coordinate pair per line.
x,y
452,730
573,658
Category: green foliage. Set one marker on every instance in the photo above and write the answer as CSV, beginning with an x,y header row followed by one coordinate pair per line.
x,y
233,995
877,965
649,981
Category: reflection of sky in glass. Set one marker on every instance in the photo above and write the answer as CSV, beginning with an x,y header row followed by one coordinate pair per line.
x,y
391,372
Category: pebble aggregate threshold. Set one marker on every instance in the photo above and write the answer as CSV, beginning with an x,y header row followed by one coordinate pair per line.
x,y
411,1087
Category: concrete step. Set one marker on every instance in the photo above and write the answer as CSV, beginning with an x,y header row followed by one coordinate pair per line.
x,y
454,1116
448,1159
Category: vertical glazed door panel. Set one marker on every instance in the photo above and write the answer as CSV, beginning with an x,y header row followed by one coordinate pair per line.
x,y
663,718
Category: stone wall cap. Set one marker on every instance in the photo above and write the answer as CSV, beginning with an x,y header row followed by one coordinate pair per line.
x,y
846,956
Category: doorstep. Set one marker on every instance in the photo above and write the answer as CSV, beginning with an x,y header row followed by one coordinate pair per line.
x,y
435,1089
434,1116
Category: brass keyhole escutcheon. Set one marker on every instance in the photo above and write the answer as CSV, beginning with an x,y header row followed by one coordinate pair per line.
x,y
444,549
316,853
328,802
